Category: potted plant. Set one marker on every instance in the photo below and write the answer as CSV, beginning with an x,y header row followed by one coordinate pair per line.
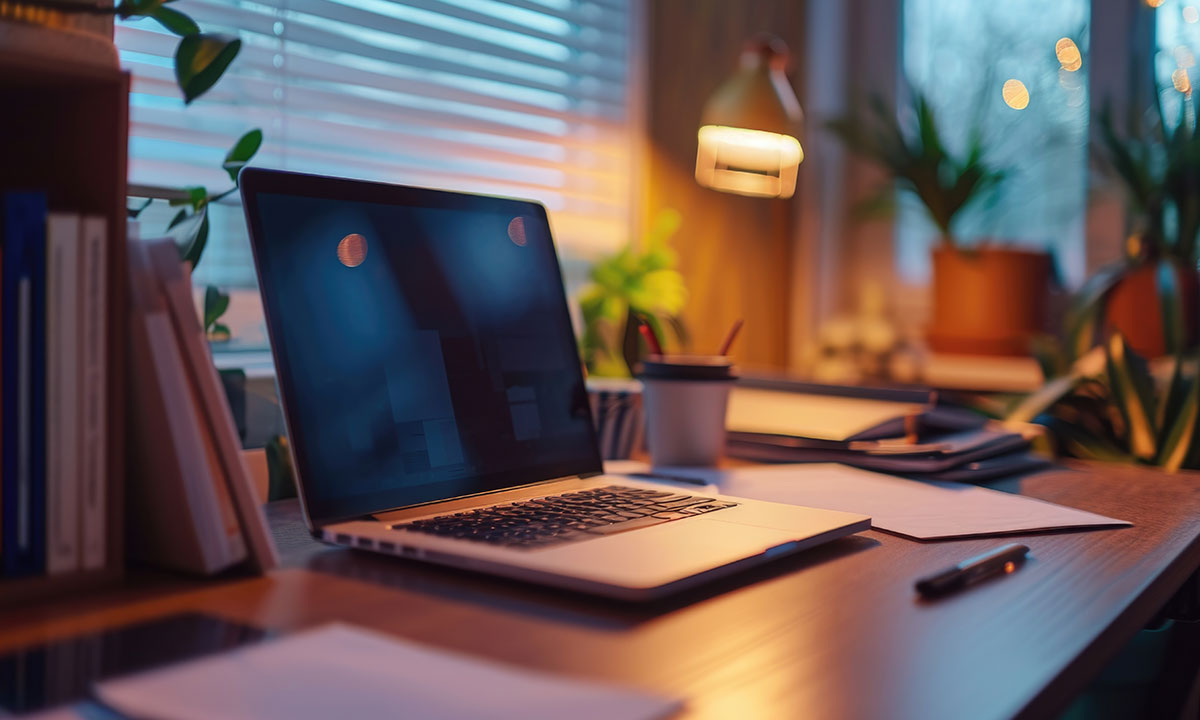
x,y
1159,170
987,300
631,286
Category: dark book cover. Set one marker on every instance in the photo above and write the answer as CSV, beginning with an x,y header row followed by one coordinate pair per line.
x,y
23,376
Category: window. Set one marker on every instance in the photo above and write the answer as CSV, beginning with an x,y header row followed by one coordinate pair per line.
x,y
1177,31
514,97
960,54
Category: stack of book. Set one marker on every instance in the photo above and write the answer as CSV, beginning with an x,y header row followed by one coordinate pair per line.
x,y
192,504
53,346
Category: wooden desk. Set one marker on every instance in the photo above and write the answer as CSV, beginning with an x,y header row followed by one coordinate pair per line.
x,y
834,633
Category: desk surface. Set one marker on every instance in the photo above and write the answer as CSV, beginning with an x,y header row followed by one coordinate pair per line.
x,y
835,632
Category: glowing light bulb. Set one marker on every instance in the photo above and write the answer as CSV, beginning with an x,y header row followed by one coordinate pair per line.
x,y
748,162
1015,94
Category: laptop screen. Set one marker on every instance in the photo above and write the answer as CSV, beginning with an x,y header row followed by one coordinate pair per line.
x,y
422,341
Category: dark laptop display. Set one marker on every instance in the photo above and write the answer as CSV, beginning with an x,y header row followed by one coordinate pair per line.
x,y
422,340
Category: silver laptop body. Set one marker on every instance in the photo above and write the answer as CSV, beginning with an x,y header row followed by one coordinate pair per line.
x,y
436,406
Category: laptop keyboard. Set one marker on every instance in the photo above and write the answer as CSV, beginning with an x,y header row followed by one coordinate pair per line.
x,y
569,517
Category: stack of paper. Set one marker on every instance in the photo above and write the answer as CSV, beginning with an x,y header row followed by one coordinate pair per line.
x,y
341,671
925,510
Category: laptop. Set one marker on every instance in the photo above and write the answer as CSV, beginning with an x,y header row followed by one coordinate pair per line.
x,y
435,402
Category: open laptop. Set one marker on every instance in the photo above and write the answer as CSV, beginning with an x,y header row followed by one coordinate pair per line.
x,y
436,407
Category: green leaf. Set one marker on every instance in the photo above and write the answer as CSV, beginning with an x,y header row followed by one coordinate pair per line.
x,y
1045,398
133,212
130,8
201,59
1131,384
1181,438
179,217
241,152
1171,302
197,196
194,247
215,305
175,21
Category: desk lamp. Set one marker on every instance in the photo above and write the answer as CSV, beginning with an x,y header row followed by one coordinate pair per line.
x,y
747,139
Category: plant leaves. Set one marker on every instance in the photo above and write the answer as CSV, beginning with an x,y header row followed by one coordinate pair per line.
x,y
133,212
241,152
1179,441
179,217
175,21
1130,384
215,305
197,196
1171,302
201,59
194,247
1044,398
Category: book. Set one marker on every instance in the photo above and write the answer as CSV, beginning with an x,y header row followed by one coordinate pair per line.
x,y
181,520
24,380
63,486
233,478
93,432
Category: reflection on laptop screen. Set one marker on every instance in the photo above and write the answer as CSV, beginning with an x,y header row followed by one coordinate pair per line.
x,y
424,352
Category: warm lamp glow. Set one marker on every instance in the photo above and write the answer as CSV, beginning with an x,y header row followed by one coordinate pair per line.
x,y
748,162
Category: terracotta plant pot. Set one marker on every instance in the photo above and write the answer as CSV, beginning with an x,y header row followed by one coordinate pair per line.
x,y
989,301
1134,310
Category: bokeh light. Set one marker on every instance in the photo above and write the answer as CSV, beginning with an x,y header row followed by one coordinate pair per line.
x,y
352,250
1015,94
1068,54
1191,14
1181,81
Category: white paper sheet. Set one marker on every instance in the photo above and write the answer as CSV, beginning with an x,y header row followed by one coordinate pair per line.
x,y
822,417
925,510
342,671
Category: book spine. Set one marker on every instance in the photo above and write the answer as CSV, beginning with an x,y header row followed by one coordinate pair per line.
x,y
93,429
63,483
23,378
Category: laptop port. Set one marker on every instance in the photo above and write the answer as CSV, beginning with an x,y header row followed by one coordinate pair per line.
x,y
408,551
364,543
387,547
343,539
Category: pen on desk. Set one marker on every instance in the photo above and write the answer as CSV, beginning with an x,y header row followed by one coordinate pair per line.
x,y
999,561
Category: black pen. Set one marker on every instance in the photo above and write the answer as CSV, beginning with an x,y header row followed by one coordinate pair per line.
x,y
1000,561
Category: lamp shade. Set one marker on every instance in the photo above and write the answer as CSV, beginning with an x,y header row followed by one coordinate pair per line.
x,y
747,141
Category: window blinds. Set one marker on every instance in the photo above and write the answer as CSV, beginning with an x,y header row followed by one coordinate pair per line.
x,y
513,97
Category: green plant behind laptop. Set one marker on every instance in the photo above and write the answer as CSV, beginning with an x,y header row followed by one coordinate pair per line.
x,y
630,284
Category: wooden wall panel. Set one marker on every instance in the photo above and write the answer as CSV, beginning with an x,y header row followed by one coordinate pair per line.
x,y
735,251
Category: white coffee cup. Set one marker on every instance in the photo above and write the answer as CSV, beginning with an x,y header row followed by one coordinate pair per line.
x,y
685,397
